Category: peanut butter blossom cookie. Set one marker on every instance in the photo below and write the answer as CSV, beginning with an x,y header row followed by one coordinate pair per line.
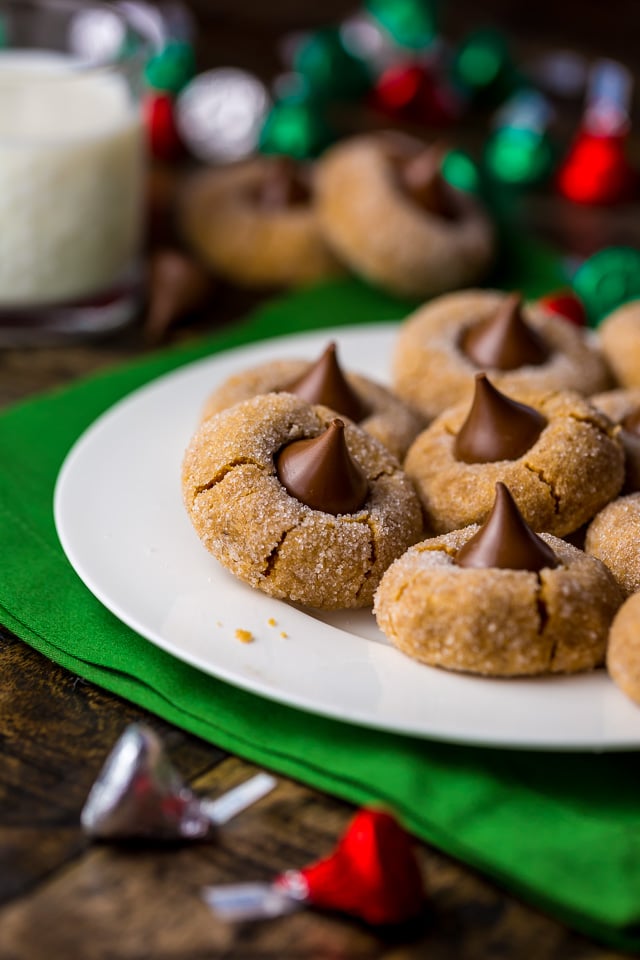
x,y
445,343
614,537
620,340
498,600
296,502
367,403
623,408
556,453
623,653
389,214
255,224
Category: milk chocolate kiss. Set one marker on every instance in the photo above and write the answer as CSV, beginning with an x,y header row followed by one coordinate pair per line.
x,y
177,286
322,473
497,427
421,177
284,185
505,341
506,541
325,383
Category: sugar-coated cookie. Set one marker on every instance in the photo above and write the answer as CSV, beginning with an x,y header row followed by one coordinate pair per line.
x,y
614,537
235,494
497,622
432,371
623,653
566,470
620,339
389,215
254,224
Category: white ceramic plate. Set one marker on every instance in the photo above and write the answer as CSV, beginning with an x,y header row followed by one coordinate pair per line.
x,y
121,521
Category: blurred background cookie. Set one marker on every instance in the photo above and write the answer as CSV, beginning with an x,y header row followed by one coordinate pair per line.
x,y
254,223
389,214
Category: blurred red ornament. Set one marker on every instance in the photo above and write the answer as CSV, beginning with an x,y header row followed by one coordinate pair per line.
x,y
372,874
162,133
415,92
566,305
596,170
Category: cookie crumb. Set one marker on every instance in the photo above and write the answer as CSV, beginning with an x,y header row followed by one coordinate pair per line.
x,y
244,636
284,635
272,622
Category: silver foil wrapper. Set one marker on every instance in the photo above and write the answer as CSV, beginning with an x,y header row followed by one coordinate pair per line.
x,y
139,794
220,114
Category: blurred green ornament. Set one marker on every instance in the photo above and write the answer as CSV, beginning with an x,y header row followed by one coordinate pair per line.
x,y
411,23
608,279
519,157
461,172
483,66
172,68
296,129
3,32
328,69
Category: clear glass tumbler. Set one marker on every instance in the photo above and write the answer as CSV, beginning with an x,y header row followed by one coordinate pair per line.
x,y
72,169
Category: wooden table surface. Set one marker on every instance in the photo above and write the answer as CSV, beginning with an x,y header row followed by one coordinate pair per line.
x,y
61,896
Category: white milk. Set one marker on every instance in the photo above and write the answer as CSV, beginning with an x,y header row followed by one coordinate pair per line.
x,y
71,179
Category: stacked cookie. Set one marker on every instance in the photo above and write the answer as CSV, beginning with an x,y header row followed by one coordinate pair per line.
x,y
447,503
377,205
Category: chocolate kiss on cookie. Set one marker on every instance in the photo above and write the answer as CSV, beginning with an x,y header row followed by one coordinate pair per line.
x,y
325,383
284,185
506,541
497,427
421,177
321,472
504,340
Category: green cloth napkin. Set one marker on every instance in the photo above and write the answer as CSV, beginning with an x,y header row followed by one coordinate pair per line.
x,y
560,830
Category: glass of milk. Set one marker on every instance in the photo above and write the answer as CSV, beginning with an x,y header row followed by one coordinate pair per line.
x,y
71,169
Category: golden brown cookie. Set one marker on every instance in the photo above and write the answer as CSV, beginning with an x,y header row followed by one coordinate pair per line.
x,y
431,371
623,653
245,517
376,224
573,468
617,404
497,622
613,536
623,408
620,341
386,417
231,219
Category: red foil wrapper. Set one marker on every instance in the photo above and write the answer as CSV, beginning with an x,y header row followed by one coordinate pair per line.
x,y
163,138
566,305
596,170
372,874
415,93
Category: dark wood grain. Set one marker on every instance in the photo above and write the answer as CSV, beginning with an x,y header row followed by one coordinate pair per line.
x,y
63,897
